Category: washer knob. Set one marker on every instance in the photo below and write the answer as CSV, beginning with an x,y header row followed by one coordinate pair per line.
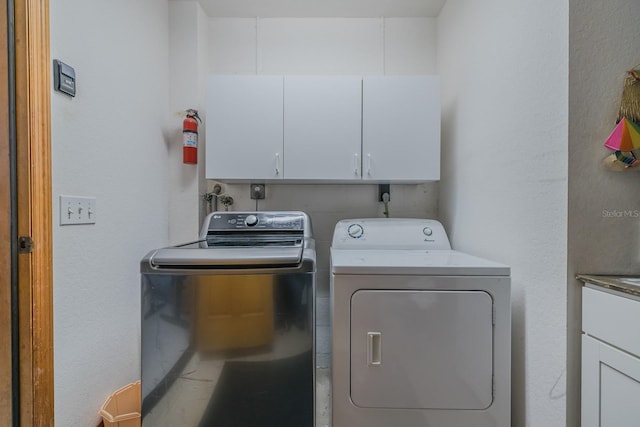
x,y
427,231
355,231
251,220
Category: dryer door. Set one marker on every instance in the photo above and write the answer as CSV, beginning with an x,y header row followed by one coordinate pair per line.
x,y
422,349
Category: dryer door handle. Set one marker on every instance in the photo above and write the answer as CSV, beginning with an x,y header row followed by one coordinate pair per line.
x,y
374,348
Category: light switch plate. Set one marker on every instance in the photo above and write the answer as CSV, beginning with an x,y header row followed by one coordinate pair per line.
x,y
76,210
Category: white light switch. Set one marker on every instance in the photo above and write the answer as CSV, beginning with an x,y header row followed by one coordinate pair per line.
x,y
77,210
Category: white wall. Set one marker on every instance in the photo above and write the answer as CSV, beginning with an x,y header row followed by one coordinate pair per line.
x,y
107,142
187,74
324,46
604,40
503,193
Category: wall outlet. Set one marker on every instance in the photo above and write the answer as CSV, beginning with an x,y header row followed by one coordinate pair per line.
x,y
77,210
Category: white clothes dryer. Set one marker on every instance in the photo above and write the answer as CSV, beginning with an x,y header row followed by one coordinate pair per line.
x,y
421,333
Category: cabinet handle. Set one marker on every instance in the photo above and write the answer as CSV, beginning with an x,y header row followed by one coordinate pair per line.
x,y
277,163
356,164
369,164
374,348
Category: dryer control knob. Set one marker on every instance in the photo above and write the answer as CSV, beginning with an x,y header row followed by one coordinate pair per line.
x,y
251,220
355,231
427,231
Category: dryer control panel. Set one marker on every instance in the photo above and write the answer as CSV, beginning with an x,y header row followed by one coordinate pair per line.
x,y
390,233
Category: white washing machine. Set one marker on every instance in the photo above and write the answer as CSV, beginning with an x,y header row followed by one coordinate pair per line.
x,y
421,333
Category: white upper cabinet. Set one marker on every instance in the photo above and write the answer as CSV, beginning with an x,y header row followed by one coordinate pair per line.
x,y
401,128
244,128
329,128
322,127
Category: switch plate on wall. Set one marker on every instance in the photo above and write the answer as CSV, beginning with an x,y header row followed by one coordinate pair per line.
x,y
77,210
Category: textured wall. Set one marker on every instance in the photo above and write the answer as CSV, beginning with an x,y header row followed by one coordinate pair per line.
x,y
604,221
107,142
503,193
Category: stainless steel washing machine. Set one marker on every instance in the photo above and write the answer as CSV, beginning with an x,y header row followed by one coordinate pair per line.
x,y
421,333
228,325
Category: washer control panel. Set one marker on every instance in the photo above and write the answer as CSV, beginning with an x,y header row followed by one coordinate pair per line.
x,y
257,222
394,233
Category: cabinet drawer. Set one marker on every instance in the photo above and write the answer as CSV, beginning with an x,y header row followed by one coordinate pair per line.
x,y
612,319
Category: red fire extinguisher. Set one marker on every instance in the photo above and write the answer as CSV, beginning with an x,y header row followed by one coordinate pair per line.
x,y
190,137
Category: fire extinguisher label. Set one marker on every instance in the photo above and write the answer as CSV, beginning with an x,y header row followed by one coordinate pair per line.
x,y
189,139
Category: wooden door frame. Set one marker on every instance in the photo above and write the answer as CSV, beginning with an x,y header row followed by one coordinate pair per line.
x,y
6,230
34,211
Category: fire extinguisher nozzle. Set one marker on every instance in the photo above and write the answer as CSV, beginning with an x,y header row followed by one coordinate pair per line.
x,y
193,113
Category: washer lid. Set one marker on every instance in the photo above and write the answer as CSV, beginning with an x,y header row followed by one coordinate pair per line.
x,y
415,262
219,258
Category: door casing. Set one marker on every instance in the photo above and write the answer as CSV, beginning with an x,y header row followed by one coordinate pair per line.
x,y
34,211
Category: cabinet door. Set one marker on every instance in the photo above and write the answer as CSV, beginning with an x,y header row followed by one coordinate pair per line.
x,y
610,386
401,128
322,127
244,127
